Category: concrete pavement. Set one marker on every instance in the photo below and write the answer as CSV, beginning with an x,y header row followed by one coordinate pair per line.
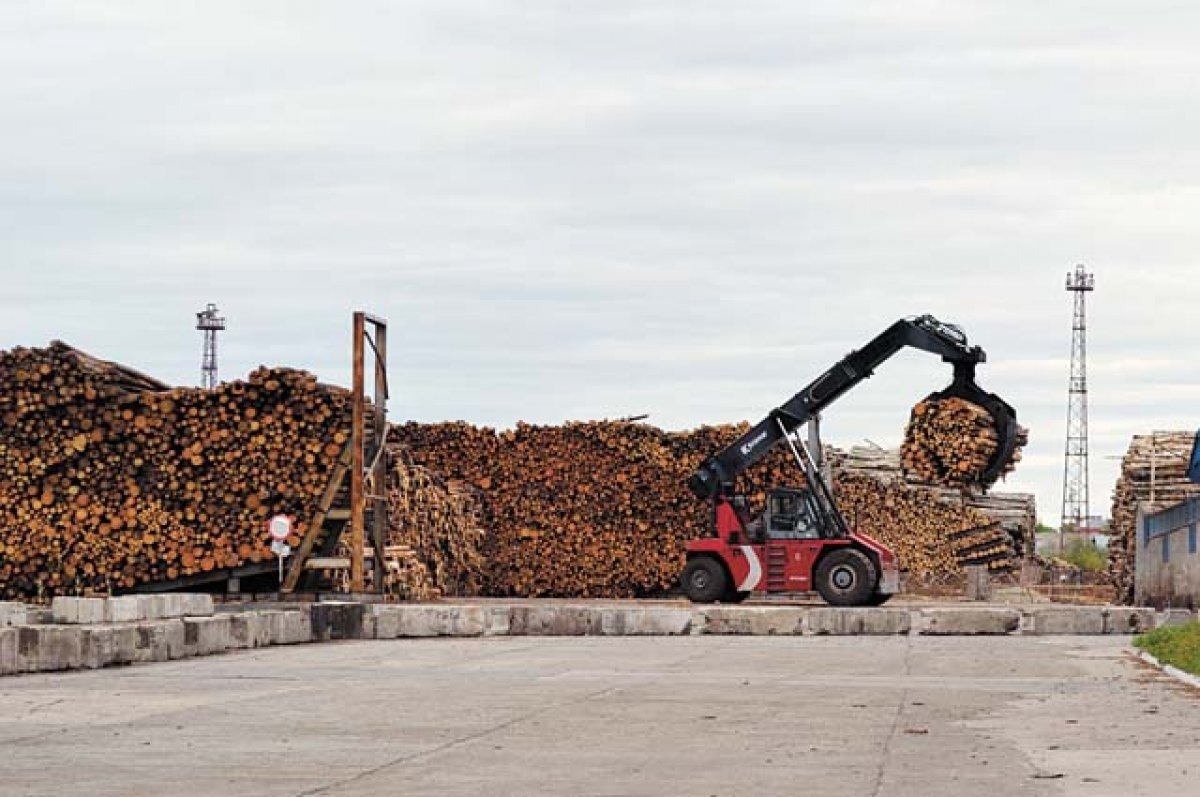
x,y
695,715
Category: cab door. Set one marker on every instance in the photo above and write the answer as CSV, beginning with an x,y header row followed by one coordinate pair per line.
x,y
791,545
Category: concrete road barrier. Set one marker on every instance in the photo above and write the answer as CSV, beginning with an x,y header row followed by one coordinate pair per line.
x,y
1129,620
8,651
204,636
291,627
1071,620
78,611
12,613
192,630
868,622
47,648
422,620
160,640
539,620
968,622
750,620
337,620
645,621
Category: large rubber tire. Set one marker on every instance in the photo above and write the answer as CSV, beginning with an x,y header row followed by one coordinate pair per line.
x,y
879,598
733,596
846,577
704,580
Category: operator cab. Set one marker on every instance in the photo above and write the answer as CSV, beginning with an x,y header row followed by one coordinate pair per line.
x,y
792,515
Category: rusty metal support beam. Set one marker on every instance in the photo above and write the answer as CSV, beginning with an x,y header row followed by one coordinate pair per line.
x,y
379,458
357,457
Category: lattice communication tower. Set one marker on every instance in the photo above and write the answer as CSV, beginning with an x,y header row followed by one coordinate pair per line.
x,y
208,322
1075,509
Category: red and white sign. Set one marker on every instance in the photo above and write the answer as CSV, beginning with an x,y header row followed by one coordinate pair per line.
x,y
279,527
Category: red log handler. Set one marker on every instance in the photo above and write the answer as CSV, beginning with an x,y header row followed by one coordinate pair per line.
x,y
801,542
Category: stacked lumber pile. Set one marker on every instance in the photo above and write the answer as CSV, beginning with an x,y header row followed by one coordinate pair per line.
x,y
601,509
435,533
1015,513
1153,471
109,479
928,534
950,442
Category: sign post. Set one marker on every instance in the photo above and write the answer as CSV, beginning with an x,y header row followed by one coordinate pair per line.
x,y
280,528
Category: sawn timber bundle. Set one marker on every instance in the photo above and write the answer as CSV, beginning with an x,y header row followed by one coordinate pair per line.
x,y
109,479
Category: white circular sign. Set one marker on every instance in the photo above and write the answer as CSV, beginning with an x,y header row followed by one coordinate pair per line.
x,y
279,527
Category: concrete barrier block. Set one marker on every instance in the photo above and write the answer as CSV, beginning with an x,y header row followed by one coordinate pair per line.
x,y
496,620
196,604
125,640
337,620
1128,620
165,606
159,640
968,622
750,620
292,627
8,651
1074,620
846,622
204,636
249,630
48,648
38,615
645,621
554,621
77,611
98,646
124,609
396,622
12,613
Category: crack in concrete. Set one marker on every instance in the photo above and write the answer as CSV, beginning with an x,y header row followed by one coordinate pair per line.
x,y
459,742
886,752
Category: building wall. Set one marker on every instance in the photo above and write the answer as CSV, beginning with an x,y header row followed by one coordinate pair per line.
x,y
1167,569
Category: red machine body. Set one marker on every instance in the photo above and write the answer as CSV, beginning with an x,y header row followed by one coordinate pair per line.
x,y
756,560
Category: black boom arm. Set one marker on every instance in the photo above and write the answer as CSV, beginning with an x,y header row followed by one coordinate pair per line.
x,y
718,473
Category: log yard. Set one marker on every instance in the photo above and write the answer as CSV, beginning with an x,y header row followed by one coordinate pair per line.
x,y
546,399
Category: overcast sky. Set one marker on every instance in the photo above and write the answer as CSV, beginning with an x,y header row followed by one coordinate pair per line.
x,y
573,210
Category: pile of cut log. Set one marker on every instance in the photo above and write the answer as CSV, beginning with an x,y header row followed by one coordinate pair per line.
x,y
601,509
950,442
434,534
1153,471
109,479
1014,513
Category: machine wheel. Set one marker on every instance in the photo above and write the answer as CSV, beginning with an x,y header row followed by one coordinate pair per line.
x,y
733,596
704,580
846,577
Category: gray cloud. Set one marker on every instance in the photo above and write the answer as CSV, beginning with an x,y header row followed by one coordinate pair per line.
x,y
584,210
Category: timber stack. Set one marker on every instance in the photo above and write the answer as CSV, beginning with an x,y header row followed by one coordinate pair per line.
x,y
1013,513
950,442
434,534
601,509
110,479
1154,472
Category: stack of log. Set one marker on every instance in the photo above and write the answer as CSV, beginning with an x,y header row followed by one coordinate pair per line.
x,y
1153,472
109,479
435,533
928,534
950,442
1014,513
601,509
